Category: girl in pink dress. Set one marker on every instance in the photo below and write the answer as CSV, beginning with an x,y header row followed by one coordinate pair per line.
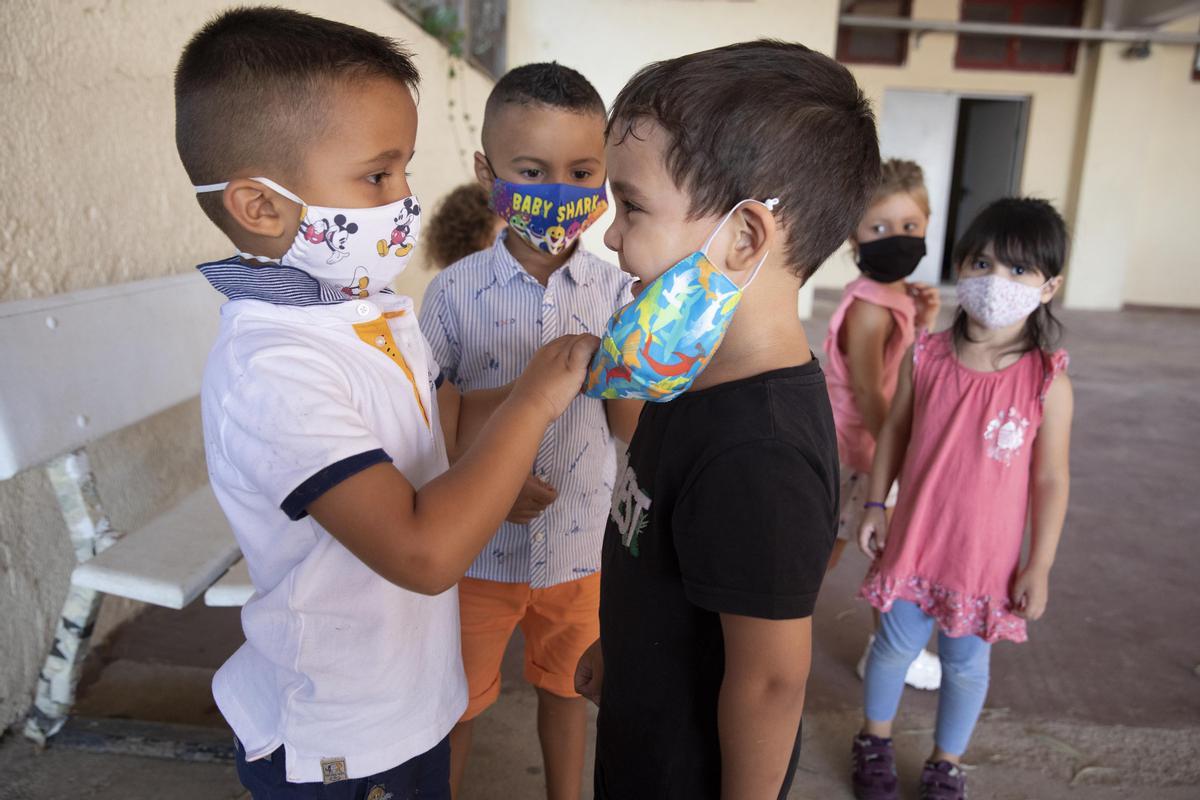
x,y
869,335
979,434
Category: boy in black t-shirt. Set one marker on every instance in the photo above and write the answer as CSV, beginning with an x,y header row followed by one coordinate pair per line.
x,y
724,520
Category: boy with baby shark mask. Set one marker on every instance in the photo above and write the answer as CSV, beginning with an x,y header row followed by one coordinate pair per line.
x,y
727,201
326,419
485,316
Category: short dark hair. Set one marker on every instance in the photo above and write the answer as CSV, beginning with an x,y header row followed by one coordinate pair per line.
x,y
763,119
1023,231
249,84
544,83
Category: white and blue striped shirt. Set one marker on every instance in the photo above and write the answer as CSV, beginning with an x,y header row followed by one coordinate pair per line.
x,y
484,317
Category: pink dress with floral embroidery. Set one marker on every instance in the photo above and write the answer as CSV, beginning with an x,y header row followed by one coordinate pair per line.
x,y
954,543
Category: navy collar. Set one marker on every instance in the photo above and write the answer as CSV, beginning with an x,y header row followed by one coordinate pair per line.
x,y
271,283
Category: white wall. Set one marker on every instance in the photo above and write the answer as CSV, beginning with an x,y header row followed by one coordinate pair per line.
x,y
93,194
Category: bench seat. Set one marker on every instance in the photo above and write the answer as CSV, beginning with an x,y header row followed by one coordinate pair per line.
x,y
233,590
171,560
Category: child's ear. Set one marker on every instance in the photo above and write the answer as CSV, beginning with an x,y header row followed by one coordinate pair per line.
x,y
483,172
756,234
1051,288
259,210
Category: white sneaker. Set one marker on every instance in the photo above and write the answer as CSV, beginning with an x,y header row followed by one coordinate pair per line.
x,y
925,672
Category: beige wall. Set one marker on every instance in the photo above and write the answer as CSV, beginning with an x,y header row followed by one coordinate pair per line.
x,y
93,191
1139,196
94,195
665,28
609,40
1113,146
1054,108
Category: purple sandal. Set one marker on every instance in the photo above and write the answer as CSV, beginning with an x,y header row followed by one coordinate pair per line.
x,y
942,780
874,775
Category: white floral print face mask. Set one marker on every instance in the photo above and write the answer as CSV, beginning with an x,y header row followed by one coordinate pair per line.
x,y
997,302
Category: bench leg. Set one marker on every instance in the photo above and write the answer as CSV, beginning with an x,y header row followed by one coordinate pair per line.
x,y
60,674
75,489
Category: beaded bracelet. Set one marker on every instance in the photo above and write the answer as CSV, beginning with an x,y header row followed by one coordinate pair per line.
x,y
873,504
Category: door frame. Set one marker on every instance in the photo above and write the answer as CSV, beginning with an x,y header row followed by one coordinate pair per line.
x,y
940,191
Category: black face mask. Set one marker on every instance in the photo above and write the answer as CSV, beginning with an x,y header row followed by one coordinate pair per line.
x,y
891,259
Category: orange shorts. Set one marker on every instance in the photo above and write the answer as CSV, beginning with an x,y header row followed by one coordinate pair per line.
x,y
558,622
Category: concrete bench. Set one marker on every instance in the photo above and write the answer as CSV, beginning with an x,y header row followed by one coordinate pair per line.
x,y
73,368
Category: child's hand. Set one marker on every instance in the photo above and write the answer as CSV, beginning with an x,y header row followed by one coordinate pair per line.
x,y
554,376
535,496
1030,593
872,533
928,301
589,673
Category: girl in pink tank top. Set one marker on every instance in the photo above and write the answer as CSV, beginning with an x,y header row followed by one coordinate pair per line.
x,y
978,434
873,327
869,334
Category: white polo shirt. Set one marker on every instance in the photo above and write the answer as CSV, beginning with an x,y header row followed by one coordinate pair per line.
x,y
339,665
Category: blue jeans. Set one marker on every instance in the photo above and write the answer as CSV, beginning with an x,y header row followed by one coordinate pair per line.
x,y
903,632
426,777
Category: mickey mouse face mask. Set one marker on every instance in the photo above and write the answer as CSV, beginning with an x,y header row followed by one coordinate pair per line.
x,y
359,251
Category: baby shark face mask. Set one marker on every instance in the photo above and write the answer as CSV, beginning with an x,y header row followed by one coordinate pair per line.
x,y
655,347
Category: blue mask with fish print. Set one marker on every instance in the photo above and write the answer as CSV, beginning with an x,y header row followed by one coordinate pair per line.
x,y
655,347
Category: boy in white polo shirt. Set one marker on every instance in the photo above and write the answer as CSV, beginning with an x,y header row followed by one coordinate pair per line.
x,y
326,423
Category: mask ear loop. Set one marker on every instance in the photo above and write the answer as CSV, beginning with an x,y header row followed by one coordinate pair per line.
x,y
220,187
770,203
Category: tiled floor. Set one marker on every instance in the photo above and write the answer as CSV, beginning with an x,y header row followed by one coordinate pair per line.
x,y
1103,702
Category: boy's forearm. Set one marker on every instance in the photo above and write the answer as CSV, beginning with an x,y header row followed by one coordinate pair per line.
x,y
474,410
758,719
425,540
761,700
462,509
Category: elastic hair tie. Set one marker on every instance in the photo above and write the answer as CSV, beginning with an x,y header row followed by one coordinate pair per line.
x,y
873,504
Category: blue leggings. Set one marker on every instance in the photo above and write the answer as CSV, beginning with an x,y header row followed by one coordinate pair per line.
x,y
903,632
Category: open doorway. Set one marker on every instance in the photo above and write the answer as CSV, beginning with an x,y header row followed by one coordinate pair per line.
x,y
988,153
971,148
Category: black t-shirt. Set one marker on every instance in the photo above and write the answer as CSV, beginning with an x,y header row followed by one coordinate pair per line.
x,y
729,505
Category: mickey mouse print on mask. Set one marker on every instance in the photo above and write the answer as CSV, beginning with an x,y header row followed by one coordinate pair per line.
x,y
348,248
